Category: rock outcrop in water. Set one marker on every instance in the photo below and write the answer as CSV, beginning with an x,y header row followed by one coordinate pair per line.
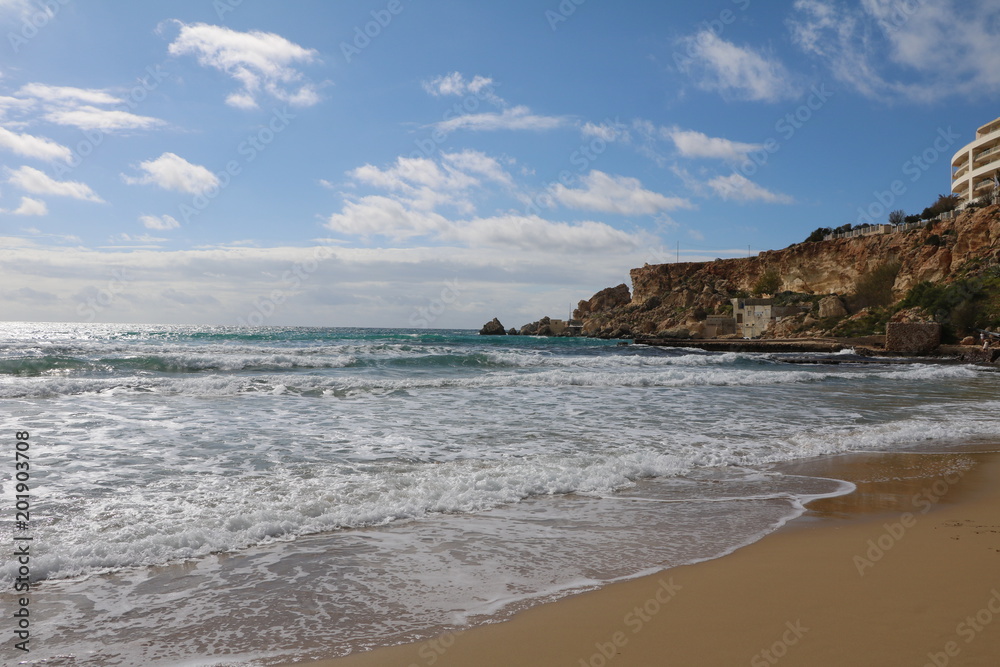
x,y
680,297
493,328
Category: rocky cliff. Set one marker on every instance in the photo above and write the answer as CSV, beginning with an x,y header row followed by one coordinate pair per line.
x,y
673,297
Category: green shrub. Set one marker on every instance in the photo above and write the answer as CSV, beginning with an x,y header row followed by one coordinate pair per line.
x,y
874,288
818,234
871,323
961,306
933,240
768,283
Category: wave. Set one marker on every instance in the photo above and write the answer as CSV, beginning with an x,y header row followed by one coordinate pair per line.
x,y
191,516
345,386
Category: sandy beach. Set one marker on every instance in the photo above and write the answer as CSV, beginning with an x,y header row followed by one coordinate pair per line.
x,y
904,571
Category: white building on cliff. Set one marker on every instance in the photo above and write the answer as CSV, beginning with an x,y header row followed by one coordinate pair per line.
x,y
976,166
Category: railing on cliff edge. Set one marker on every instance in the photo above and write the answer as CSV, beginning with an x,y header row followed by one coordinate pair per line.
x,y
872,230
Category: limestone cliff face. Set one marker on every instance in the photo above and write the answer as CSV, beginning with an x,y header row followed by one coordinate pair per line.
x,y
667,295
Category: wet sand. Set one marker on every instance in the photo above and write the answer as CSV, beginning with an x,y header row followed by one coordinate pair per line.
x,y
904,571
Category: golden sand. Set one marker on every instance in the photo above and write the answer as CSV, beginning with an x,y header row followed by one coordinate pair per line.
x,y
905,571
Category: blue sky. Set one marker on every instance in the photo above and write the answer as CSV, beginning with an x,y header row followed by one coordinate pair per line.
x,y
406,163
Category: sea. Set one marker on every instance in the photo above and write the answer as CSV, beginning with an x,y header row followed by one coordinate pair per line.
x,y
257,496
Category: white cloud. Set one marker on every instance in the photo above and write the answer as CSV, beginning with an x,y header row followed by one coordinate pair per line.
x,y
697,145
409,173
739,72
415,187
607,131
31,206
8,103
615,194
67,94
477,162
75,107
262,62
515,118
536,234
425,184
737,187
38,183
91,118
922,51
456,84
144,239
376,215
172,172
27,145
381,286
159,222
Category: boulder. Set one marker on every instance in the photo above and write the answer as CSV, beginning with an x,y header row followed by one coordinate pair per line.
x,y
512,331
493,328
831,306
968,340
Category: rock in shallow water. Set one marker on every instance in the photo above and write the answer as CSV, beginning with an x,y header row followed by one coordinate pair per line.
x,y
493,328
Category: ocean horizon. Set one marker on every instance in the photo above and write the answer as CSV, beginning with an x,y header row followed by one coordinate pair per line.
x,y
207,495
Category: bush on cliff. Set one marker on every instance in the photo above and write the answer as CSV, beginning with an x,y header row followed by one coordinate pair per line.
x,y
874,288
870,322
943,204
768,283
819,234
960,306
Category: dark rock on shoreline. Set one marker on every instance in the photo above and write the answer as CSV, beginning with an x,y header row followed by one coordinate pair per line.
x,y
493,328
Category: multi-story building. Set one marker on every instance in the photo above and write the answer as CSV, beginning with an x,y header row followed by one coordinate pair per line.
x,y
976,166
753,317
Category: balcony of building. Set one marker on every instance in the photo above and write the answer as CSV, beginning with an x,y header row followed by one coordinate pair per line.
x,y
990,127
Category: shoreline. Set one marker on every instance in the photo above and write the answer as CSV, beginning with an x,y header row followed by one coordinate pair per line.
x,y
868,349
884,575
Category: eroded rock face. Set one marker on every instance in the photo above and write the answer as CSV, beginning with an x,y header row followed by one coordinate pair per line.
x,y
605,300
831,306
493,328
667,294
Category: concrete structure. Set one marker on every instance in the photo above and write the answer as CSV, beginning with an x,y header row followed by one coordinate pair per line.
x,y
912,337
976,166
755,316
719,325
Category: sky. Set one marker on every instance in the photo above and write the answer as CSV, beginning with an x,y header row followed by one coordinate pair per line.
x,y
407,163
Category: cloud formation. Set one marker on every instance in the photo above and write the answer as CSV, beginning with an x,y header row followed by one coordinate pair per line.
x,y
737,187
619,195
29,207
915,51
84,108
263,63
172,172
414,188
514,118
159,222
38,183
30,146
694,144
737,72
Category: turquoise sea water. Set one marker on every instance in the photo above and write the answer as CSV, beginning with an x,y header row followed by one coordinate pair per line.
x,y
211,495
